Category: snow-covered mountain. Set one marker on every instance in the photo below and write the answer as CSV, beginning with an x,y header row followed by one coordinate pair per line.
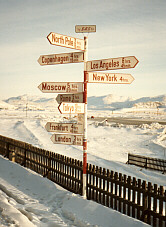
x,y
32,102
114,102
6,106
107,102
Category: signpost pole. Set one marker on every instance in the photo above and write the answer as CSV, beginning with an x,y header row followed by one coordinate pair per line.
x,y
84,189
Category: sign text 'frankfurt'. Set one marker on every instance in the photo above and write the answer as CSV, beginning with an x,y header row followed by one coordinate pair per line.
x,y
64,127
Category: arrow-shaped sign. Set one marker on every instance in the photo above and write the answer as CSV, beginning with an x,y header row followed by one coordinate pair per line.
x,y
64,127
61,87
64,58
110,78
70,98
112,63
71,108
65,41
67,139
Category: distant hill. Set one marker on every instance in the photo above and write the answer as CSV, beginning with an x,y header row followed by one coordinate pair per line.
x,y
32,102
112,102
6,106
107,102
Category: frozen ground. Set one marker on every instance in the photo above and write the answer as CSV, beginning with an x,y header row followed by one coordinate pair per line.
x,y
27,199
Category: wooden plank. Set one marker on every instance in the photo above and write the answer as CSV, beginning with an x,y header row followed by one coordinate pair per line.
x,y
134,196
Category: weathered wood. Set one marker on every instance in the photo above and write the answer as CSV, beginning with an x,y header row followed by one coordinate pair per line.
x,y
147,162
134,196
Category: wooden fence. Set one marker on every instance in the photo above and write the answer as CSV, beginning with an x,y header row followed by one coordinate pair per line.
x,y
130,196
147,162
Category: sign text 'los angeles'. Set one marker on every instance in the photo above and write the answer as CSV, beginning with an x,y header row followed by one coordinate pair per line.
x,y
112,63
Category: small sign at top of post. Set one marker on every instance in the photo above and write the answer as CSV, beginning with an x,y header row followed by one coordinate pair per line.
x,y
85,28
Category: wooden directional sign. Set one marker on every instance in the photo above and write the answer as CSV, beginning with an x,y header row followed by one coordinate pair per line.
x,y
67,139
112,63
85,28
70,98
65,41
64,127
71,108
110,78
61,87
64,58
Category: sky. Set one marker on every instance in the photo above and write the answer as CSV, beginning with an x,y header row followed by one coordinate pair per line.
x,y
123,28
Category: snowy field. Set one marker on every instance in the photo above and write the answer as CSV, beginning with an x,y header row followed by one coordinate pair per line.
x,y
27,199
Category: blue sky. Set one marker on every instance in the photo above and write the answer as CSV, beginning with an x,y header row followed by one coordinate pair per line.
x,y
124,28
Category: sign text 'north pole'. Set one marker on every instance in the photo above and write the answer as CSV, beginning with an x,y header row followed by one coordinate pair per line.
x,y
65,41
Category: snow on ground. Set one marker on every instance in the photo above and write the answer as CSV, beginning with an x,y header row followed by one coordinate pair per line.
x,y
27,199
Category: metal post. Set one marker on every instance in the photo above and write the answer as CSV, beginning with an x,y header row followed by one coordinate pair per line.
x,y
85,121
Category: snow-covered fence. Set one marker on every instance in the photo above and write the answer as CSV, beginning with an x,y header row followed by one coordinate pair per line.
x,y
60,169
147,162
127,195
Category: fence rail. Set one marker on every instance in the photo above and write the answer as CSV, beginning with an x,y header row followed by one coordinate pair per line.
x,y
147,162
130,196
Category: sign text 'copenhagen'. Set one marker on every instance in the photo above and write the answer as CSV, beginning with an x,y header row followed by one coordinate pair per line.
x,y
64,58
71,108
61,87
67,139
112,63
64,127
65,41
110,78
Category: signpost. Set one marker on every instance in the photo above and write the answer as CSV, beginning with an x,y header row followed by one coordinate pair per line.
x,y
67,139
61,87
65,41
110,78
64,128
76,101
112,63
64,58
85,28
70,98
71,108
